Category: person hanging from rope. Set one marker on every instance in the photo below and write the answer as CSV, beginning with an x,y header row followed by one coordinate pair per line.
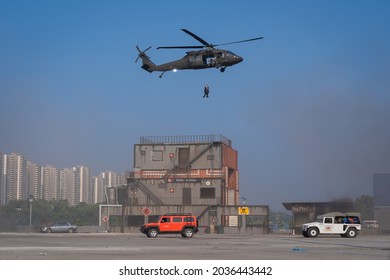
x,y
206,91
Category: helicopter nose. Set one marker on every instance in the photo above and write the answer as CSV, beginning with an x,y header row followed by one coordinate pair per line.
x,y
239,59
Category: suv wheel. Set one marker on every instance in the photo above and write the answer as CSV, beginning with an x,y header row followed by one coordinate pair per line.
x,y
187,232
70,230
152,233
351,233
312,232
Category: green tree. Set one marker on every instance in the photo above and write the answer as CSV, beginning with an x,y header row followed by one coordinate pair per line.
x,y
63,212
42,212
87,214
17,213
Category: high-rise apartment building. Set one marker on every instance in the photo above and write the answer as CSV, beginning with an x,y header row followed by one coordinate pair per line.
x,y
34,180
83,185
16,178
3,168
97,190
105,180
76,185
68,181
20,178
51,183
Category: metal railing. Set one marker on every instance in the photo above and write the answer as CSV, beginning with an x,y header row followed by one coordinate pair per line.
x,y
159,174
185,139
150,195
176,201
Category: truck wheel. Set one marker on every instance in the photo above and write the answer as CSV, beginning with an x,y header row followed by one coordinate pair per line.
x,y
187,232
312,232
351,233
152,233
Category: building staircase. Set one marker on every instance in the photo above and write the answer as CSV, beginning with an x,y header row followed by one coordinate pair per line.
x,y
193,157
149,194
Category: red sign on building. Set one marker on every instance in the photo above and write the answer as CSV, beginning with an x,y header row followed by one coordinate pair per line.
x,y
146,211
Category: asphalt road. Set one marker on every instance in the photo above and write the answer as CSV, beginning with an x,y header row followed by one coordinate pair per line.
x,y
134,246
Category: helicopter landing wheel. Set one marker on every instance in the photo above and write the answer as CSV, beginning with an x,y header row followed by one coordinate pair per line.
x,y
222,69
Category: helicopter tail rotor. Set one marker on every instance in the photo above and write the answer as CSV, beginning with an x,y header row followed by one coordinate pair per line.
x,y
142,54
147,64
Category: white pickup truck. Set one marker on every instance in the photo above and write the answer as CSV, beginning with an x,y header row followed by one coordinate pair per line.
x,y
345,224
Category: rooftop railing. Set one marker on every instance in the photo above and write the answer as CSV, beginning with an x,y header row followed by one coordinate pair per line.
x,y
189,139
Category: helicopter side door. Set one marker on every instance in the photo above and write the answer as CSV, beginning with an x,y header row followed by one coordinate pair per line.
x,y
209,60
214,59
197,61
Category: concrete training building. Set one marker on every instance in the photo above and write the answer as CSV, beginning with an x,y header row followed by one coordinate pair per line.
x,y
183,174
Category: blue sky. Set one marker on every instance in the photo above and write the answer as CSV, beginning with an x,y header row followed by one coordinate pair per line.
x,y
307,109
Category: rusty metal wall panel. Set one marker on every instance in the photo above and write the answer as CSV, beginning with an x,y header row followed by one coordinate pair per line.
x,y
229,157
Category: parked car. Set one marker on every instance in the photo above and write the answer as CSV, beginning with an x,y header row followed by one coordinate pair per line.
x,y
59,227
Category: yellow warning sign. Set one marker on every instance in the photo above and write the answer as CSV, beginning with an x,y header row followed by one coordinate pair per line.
x,y
243,210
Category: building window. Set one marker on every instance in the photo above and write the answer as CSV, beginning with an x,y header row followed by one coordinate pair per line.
x,y
157,156
207,192
231,221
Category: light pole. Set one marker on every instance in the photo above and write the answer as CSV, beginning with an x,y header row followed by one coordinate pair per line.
x,y
31,199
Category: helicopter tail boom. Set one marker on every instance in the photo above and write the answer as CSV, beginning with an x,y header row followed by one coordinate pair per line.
x,y
147,64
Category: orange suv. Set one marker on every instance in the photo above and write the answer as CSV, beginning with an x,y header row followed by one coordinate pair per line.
x,y
185,224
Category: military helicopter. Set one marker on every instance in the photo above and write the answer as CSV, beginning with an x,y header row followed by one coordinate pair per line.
x,y
208,57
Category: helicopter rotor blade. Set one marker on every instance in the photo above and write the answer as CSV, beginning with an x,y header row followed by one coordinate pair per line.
x,y
236,42
197,38
182,47
205,44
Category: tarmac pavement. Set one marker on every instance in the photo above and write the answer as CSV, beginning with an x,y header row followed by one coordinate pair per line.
x,y
136,246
